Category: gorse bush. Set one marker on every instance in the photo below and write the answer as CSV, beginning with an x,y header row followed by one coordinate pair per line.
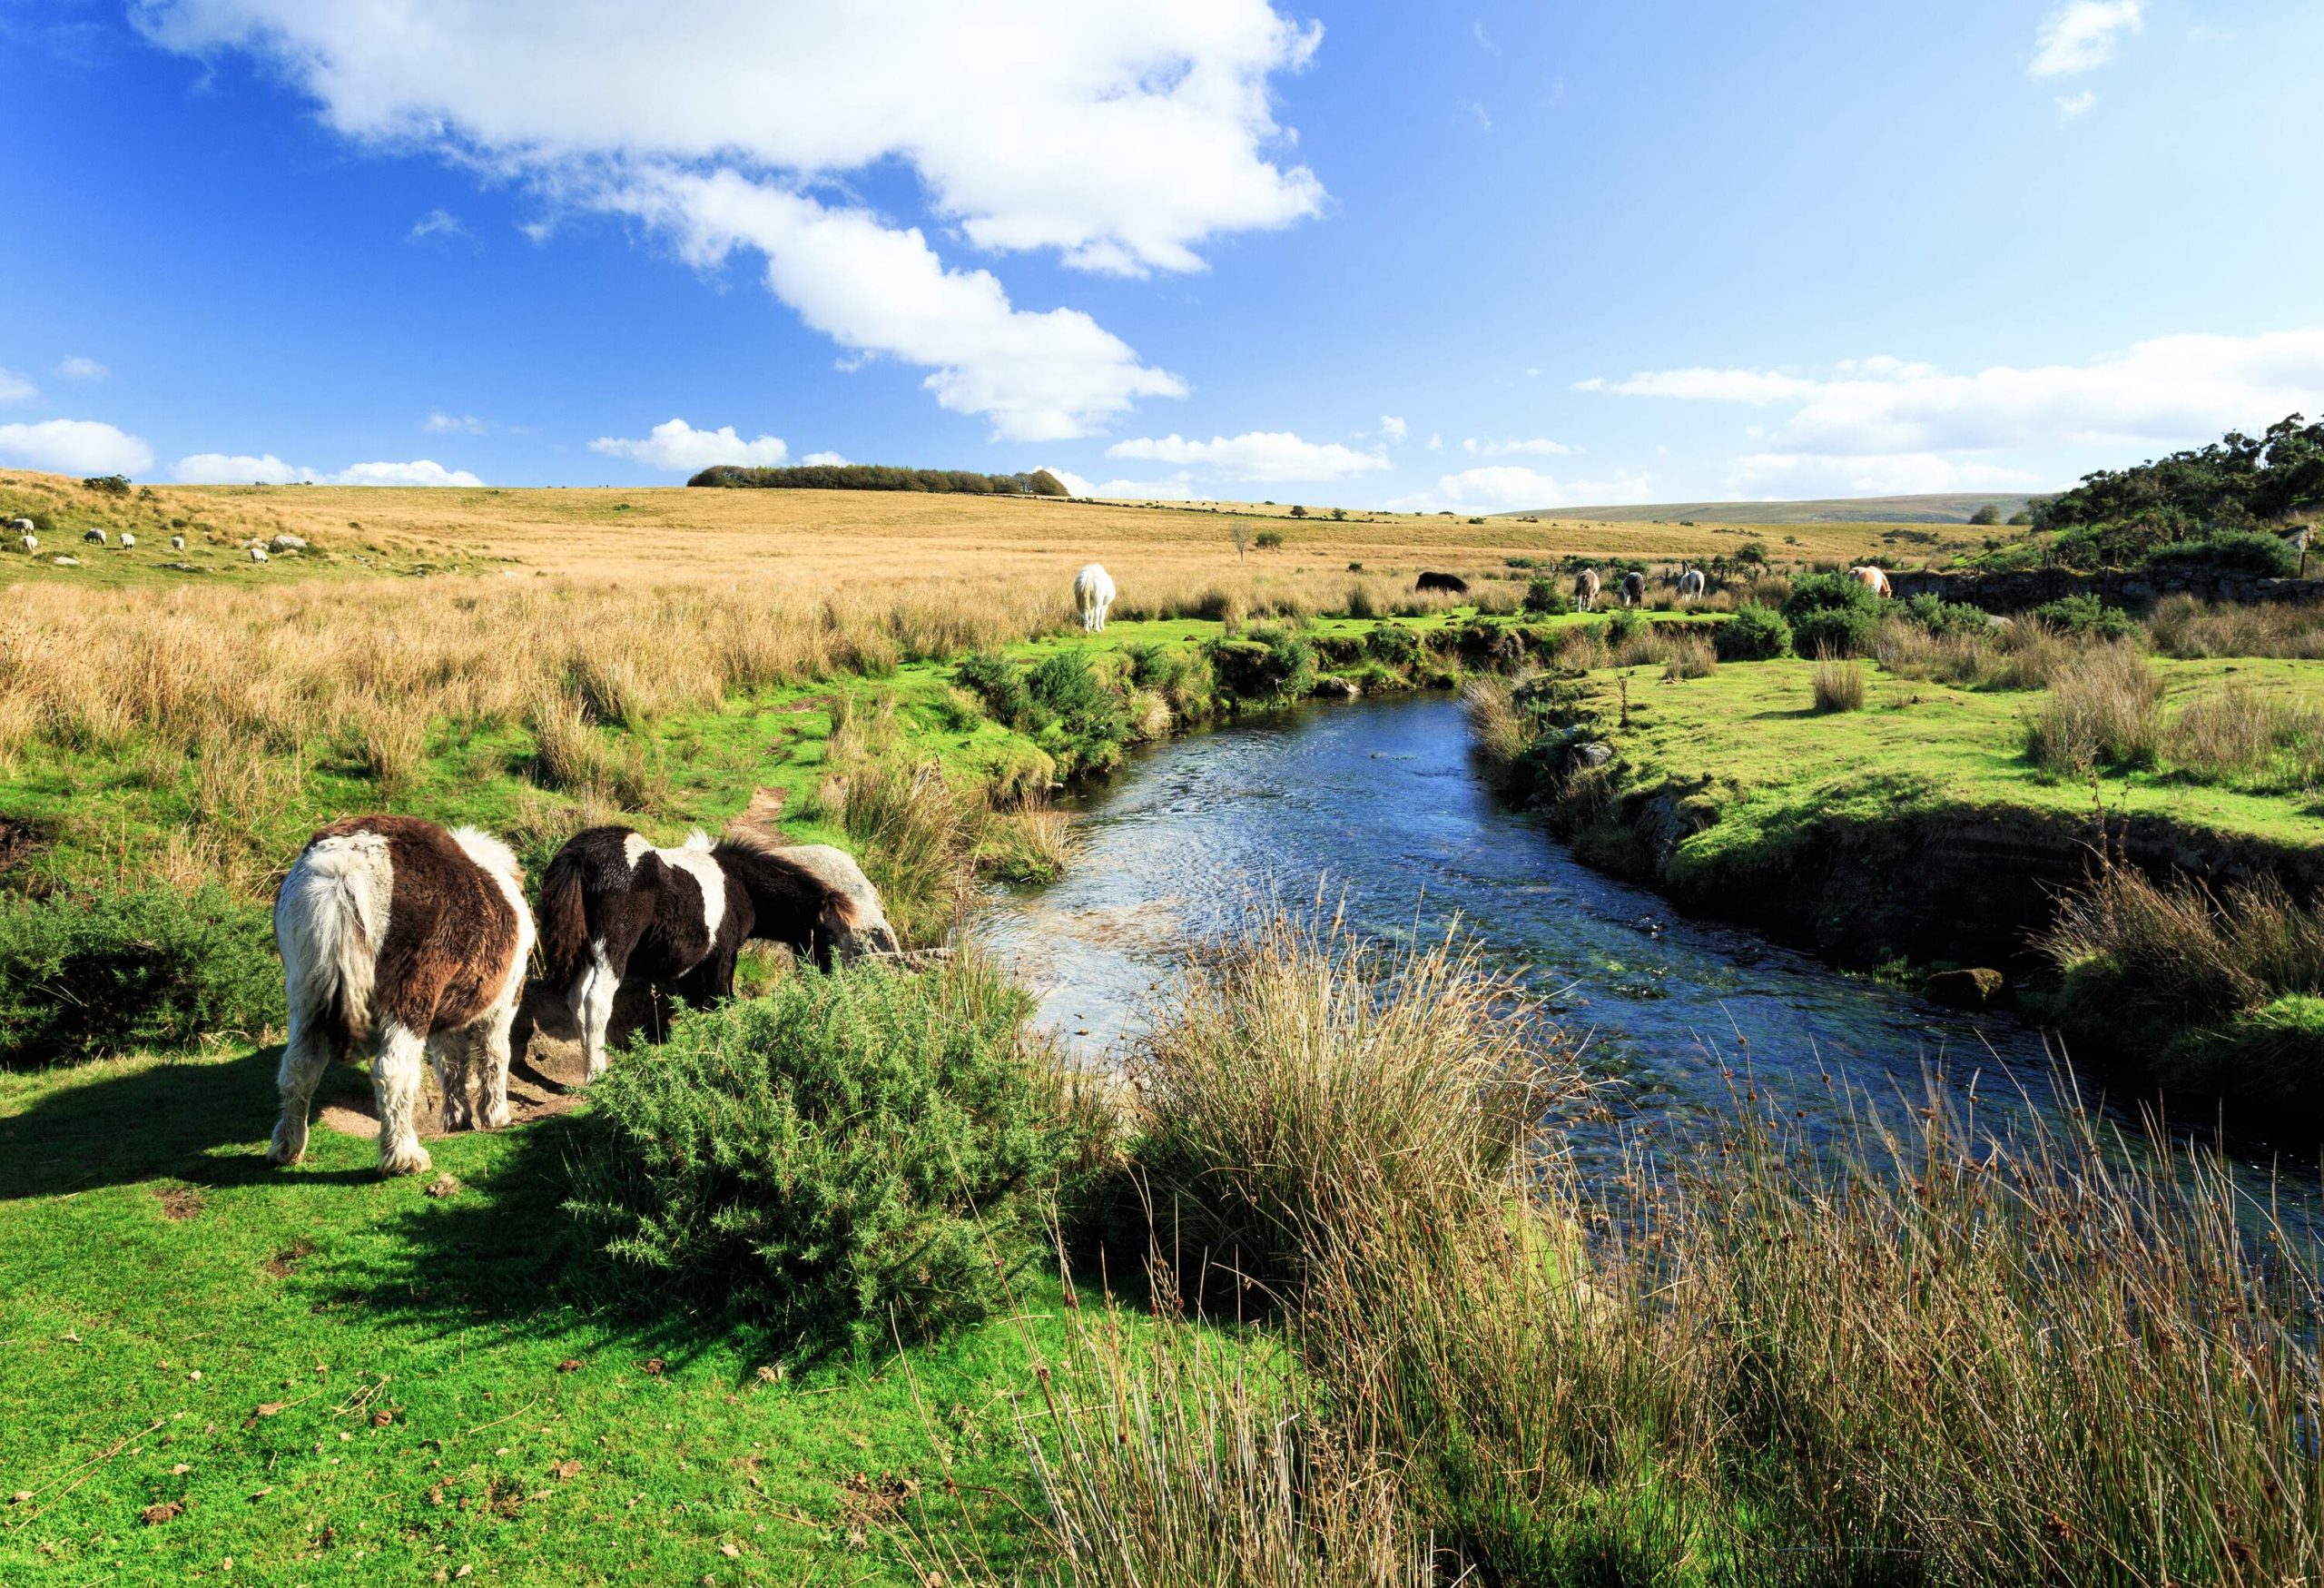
x,y
2241,551
1270,663
839,1158
1060,702
1627,623
1934,615
1831,612
146,970
1547,598
1754,634
2085,616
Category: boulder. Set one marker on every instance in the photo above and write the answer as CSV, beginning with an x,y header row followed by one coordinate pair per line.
x,y
1970,989
1335,688
67,562
287,543
1592,753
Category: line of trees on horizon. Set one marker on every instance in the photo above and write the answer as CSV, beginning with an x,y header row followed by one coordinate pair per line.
x,y
1040,482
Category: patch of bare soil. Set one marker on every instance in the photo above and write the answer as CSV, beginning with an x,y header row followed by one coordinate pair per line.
x,y
17,841
546,1070
179,1203
284,1263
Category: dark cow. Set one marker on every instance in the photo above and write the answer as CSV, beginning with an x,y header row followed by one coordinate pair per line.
x,y
1452,584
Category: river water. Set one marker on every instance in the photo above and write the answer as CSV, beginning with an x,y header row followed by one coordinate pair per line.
x,y
1378,805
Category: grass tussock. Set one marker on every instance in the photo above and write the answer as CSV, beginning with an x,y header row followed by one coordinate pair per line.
x,y
1689,656
2187,627
2103,709
1838,683
1937,1349
2236,733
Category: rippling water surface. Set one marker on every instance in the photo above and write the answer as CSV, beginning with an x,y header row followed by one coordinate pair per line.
x,y
1378,803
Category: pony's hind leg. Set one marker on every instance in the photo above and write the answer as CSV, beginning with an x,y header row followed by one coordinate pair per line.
x,y
489,1042
306,1054
454,1053
395,1084
592,1009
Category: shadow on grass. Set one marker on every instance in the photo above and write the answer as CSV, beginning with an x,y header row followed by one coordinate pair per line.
x,y
159,1118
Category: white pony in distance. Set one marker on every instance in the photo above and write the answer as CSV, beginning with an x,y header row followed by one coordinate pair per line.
x,y
1093,592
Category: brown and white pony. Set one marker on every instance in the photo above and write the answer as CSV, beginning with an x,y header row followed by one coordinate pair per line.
x,y
400,940
1872,580
614,906
1586,587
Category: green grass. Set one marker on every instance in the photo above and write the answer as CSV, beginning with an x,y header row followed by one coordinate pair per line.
x,y
1750,734
428,1383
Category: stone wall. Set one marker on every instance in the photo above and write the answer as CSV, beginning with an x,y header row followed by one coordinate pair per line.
x,y
2015,592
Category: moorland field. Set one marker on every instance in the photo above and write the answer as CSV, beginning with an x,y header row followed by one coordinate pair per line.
x,y
849,1281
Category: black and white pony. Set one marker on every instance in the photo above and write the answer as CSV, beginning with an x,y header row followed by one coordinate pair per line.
x,y
400,940
614,907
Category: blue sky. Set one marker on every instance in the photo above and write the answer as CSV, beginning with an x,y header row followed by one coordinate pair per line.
x,y
1489,257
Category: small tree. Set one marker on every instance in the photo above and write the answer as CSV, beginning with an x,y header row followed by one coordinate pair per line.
x,y
1239,532
1268,539
1338,514
1297,511
1988,514
112,485
1752,552
2020,518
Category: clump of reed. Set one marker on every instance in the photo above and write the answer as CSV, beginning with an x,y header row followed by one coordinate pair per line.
x,y
1939,1345
2237,732
1689,656
2104,708
1836,682
2183,626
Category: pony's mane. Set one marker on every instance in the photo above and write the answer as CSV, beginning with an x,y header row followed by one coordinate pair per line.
x,y
758,856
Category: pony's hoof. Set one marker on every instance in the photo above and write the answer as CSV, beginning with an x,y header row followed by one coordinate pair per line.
x,y
283,1149
409,1160
495,1117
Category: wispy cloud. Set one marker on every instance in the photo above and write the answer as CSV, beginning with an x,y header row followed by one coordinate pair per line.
x,y
266,469
2071,105
15,388
448,424
436,224
1255,455
1393,428
2084,35
80,368
1537,447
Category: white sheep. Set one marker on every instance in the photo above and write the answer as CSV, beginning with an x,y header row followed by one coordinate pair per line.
x,y
128,541
32,543
177,543
257,554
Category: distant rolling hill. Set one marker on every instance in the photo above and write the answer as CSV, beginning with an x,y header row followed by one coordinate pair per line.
x,y
1950,508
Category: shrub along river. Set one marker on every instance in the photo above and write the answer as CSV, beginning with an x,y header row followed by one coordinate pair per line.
x,y
1378,804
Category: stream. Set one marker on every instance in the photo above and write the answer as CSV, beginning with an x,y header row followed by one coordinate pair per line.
x,y
1378,805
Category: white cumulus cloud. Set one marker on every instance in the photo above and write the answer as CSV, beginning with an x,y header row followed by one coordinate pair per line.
x,y
1505,488
1535,446
1121,136
1393,428
74,446
2170,390
1074,484
81,368
2084,35
1255,455
677,447
266,469
825,459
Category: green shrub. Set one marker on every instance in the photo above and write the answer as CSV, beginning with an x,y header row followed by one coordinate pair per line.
x,y
1543,598
1085,722
1938,615
2086,616
2241,551
1831,612
111,485
1267,540
1396,646
1270,663
1624,625
996,680
1988,514
1754,634
151,969
851,1149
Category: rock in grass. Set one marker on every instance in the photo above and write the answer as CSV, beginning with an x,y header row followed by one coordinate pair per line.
x,y
1970,989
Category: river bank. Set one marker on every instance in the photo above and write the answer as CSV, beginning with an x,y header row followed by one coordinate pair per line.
x,y
1916,836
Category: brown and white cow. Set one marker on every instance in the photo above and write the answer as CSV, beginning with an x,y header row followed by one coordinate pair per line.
x,y
400,939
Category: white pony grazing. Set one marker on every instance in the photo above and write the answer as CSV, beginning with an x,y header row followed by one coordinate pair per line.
x,y
1093,592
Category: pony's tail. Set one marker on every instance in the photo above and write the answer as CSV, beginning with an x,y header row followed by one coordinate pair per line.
x,y
329,920
564,921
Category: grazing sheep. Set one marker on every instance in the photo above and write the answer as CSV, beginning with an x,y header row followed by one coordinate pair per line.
x,y
22,526
177,543
400,940
1872,580
614,906
1633,589
1586,587
94,536
32,543
1690,585
257,554
128,541
1093,592
1452,584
